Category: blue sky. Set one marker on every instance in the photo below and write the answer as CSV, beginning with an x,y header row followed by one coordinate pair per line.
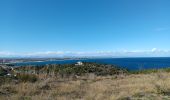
x,y
86,27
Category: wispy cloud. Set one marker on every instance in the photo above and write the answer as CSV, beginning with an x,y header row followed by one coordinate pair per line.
x,y
125,53
5,53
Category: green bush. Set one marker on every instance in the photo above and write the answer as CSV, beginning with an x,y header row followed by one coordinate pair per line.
x,y
148,71
27,78
72,69
3,72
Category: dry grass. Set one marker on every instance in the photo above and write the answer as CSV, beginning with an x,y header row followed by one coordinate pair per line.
x,y
154,86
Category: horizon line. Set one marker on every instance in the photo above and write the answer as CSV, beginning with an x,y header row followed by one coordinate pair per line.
x,y
67,54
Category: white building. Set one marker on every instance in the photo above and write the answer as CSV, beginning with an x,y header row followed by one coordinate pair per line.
x,y
79,63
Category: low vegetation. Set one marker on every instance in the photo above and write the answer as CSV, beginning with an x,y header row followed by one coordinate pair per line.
x,y
149,71
89,81
72,69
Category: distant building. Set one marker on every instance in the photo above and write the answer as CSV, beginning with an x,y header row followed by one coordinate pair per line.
x,y
79,63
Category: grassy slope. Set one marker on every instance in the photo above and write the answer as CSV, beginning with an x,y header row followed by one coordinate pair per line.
x,y
150,86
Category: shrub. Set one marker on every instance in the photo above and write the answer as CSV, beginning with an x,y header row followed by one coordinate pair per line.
x,y
148,71
72,69
3,72
27,78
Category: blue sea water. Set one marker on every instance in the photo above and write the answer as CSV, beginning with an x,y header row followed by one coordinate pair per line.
x,y
128,63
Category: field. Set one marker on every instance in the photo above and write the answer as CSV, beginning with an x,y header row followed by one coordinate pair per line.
x,y
127,86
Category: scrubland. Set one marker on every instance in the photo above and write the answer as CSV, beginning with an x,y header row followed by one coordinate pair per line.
x,y
89,86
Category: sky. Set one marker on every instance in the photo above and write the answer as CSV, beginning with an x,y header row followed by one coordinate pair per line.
x,y
115,28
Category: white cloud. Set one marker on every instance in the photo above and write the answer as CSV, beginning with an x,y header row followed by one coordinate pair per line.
x,y
154,50
125,53
44,53
5,53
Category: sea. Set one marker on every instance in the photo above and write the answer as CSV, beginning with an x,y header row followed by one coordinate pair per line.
x,y
127,63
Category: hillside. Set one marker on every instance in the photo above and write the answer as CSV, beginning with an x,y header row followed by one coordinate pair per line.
x,y
89,81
